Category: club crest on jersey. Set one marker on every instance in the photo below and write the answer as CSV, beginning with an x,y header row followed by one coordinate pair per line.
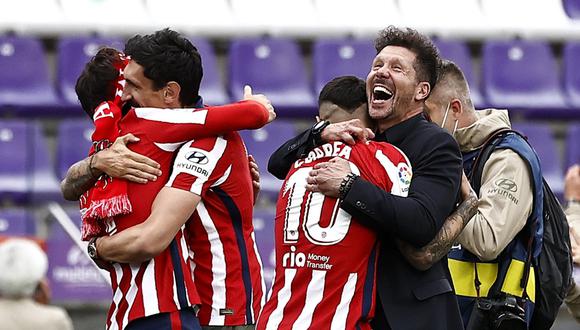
x,y
405,174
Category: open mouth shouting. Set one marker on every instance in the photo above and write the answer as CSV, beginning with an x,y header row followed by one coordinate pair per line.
x,y
381,95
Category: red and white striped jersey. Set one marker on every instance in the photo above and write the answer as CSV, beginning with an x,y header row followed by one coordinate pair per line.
x,y
226,263
164,283
325,260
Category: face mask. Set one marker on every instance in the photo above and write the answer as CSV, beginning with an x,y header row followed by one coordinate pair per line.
x,y
445,119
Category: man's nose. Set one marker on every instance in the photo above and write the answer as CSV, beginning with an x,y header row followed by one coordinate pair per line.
x,y
383,72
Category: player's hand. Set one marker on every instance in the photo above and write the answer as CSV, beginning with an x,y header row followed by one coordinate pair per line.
x,y
347,131
262,99
326,177
120,162
255,174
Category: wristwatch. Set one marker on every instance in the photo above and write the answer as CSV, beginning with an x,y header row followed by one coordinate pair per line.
x,y
317,131
92,249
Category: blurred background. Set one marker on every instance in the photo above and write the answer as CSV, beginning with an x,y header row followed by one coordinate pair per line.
x,y
523,55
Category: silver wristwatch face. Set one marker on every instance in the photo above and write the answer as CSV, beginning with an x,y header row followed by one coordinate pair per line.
x,y
319,124
92,250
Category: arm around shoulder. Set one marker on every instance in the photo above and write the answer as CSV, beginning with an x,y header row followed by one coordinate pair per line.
x,y
171,210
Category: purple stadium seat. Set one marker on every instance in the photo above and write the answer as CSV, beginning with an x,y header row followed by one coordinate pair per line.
x,y
339,57
212,89
45,185
521,74
458,52
265,238
25,85
15,143
572,73
71,275
542,140
73,143
17,222
73,53
572,8
261,143
26,173
273,67
572,149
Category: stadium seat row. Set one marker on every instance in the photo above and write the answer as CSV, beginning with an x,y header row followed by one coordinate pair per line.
x,y
517,74
29,174
551,18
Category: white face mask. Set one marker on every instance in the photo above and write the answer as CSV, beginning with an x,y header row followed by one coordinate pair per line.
x,y
445,119
446,113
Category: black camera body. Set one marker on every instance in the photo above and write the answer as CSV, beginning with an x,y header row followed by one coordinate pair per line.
x,y
501,313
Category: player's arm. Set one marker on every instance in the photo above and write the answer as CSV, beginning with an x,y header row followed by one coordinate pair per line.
x,y
170,211
178,125
117,161
425,257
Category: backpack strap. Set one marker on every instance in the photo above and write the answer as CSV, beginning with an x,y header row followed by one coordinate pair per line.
x,y
486,149
475,179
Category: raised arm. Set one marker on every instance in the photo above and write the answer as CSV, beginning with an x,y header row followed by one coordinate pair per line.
x,y
166,126
170,211
425,257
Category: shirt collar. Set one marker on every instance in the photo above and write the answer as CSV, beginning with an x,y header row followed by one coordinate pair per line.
x,y
400,131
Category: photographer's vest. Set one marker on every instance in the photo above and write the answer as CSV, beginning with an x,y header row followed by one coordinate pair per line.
x,y
505,274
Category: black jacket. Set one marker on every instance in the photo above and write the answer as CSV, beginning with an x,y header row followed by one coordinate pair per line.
x,y
407,298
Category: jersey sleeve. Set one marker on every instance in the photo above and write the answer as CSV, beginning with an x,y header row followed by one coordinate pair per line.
x,y
199,165
380,159
179,125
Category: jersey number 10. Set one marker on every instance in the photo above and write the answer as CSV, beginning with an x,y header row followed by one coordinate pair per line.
x,y
305,208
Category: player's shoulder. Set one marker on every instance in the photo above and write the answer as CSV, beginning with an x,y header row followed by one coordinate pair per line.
x,y
373,148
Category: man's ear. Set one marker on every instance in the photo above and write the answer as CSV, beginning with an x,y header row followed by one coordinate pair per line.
x,y
422,91
456,108
171,93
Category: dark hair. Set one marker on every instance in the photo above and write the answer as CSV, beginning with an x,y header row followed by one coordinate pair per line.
x,y
168,56
94,84
427,56
348,92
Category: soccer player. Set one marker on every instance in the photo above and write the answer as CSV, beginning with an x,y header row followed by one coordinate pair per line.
x,y
158,293
213,175
325,261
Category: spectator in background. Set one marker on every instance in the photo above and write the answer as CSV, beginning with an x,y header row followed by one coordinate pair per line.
x,y
24,292
572,195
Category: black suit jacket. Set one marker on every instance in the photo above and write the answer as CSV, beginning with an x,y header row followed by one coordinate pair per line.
x,y
407,298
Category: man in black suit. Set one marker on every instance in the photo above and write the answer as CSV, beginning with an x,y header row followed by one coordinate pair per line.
x,y
401,78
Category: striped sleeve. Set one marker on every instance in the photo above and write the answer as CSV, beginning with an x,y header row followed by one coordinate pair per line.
x,y
179,125
199,164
